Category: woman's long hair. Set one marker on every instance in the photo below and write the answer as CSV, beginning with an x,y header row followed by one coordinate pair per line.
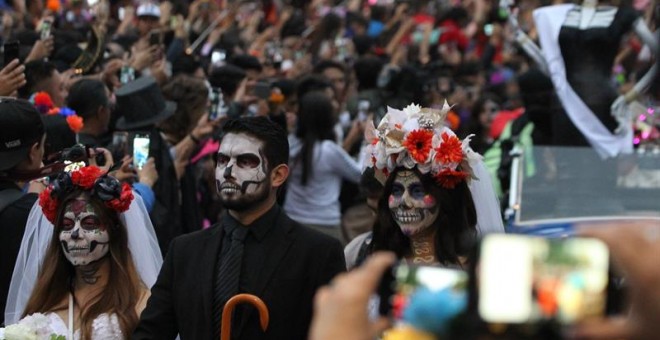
x,y
316,121
55,281
191,96
454,226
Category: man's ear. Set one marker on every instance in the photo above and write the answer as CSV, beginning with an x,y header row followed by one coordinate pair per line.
x,y
35,152
279,175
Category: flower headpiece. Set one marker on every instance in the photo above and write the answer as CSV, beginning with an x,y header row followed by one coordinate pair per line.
x,y
115,195
418,137
44,104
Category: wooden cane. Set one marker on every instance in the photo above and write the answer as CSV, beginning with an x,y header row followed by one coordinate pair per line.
x,y
228,312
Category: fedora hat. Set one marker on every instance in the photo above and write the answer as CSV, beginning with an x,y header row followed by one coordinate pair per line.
x,y
141,104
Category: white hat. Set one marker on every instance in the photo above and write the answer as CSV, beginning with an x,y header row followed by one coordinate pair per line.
x,y
148,9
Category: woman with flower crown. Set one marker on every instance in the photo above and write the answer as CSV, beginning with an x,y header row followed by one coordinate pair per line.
x,y
437,194
87,261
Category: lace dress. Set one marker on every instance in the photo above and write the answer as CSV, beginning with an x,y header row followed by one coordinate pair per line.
x,y
104,327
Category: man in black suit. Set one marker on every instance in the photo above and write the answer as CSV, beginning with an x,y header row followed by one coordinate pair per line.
x,y
281,261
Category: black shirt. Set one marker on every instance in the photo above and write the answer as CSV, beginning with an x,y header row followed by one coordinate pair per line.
x,y
253,253
12,225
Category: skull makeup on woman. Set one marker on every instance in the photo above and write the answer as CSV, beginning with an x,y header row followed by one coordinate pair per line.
x,y
83,236
241,173
427,213
413,209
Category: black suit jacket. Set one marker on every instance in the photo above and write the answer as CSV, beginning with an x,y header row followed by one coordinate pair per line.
x,y
300,261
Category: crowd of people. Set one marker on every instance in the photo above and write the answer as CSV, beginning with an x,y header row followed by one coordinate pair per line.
x,y
159,158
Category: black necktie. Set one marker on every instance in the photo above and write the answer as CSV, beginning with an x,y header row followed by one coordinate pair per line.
x,y
228,275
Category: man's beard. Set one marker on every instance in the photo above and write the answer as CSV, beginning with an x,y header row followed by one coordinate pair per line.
x,y
247,201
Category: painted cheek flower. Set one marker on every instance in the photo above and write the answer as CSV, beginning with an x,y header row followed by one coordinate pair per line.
x,y
419,144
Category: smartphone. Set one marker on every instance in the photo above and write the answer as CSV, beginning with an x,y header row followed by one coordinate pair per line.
x,y
531,280
154,38
218,108
140,150
218,57
45,29
11,51
405,290
363,110
262,90
119,144
126,75
121,13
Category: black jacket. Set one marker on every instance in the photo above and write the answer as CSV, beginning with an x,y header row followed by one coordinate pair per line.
x,y
12,226
300,260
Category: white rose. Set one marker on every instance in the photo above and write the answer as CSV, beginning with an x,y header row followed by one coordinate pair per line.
x,y
20,332
39,323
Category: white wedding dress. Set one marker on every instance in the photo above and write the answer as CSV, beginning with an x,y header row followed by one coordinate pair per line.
x,y
104,327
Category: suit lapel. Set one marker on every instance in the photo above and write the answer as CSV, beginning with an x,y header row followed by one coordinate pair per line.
x,y
278,244
206,274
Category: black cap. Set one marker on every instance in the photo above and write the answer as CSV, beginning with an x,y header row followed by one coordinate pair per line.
x,y
21,127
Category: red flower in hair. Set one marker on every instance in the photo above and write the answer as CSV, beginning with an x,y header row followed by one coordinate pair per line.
x,y
42,99
122,203
448,178
419,144
75,123
48,204
450,150
85,177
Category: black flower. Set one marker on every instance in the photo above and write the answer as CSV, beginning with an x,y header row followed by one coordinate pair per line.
x,y
107,188
61,185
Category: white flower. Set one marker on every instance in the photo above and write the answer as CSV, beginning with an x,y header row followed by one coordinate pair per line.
x,y
20,332
39,323
412,110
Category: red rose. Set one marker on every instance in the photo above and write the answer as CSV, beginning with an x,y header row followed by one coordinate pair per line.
x,y
85,177
48,205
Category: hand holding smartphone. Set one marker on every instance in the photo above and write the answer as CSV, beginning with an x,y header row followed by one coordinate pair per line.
x,y
140,150
526,280
11,51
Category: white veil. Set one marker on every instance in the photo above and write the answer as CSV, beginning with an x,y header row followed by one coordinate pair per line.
x,y
142,243
489,217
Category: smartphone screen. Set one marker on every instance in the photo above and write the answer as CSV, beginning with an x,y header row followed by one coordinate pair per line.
x,y
218,108
10,51
154,38
218,57
363,110
262,90
45,29
407,286
524,279
140,150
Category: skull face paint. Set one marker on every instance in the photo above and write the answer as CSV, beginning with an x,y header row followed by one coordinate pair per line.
x,y
240,175
83,236
411,206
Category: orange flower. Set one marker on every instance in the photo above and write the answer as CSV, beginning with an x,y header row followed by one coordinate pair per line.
x,y
450,150
276,98
419,144
448,178
75,123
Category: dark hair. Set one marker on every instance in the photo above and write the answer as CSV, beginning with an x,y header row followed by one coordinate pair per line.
x,y
35,72
86,96
327,64
378,13
227,78
312,83
316,121
276,144
367,70
124,287
191,96
247,62
455,224
186,64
